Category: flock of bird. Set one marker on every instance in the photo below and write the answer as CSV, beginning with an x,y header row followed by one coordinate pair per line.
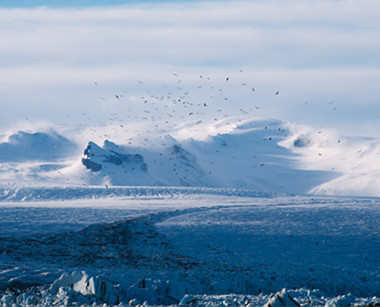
x,y
175,106
188,103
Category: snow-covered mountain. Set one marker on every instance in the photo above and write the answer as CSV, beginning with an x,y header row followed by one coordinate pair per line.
x,y
39,146
241,154
252,154
115,165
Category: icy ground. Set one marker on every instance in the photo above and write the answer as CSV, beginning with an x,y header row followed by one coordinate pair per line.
x,y
208,247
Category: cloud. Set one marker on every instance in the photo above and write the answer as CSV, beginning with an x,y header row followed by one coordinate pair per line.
x,y
313,51
261,34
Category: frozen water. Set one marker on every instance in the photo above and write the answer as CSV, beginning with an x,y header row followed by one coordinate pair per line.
x,y
216,249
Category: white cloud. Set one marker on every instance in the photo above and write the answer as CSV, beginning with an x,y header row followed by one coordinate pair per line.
x,y
314,51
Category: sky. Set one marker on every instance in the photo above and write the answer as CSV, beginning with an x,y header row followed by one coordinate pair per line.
x,y
75,3
307,62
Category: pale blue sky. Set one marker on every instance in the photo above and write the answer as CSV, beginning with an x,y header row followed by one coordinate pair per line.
x,y
322,56
77,3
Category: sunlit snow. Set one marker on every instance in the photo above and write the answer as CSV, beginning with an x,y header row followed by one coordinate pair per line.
x,y
189,153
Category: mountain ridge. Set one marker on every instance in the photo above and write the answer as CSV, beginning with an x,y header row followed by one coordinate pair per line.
x,y
264,155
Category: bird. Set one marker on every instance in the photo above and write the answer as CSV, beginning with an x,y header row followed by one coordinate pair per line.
x,y
277,93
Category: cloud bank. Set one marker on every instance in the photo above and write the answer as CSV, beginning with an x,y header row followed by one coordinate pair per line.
x,y
57,64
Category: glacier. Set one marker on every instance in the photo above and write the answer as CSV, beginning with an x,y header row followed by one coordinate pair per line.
x,y
250,212
211,249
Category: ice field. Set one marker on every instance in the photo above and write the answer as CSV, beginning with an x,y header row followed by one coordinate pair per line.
x,y
189,246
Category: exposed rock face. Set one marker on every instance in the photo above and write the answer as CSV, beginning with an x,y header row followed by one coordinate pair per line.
x,y
186,165
301,141
97,158
111,164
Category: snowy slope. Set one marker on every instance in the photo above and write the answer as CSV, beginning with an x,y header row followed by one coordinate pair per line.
x,y
41,146
249,157
26,157
241,153
233,153
355,160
